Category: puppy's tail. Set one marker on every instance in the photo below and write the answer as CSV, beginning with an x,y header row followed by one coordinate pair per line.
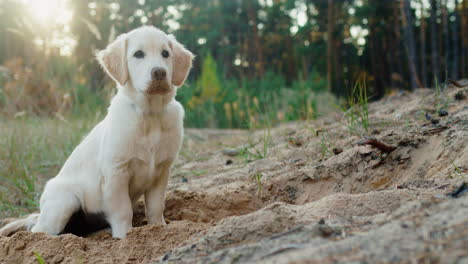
x,y
24,224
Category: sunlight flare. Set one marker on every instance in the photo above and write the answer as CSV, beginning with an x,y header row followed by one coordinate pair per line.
x,y
49,11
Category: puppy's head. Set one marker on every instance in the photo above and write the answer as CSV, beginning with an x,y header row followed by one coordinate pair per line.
x,y
147,60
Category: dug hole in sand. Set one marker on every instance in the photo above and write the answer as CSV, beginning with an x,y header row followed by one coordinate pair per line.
x,y
321,195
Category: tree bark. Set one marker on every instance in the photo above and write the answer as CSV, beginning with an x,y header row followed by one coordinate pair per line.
x,y
291,63
445,37
376,62
338,82
330,41
259,65
399,78
422,40
434,51
306,58
409,42
464,42
454,72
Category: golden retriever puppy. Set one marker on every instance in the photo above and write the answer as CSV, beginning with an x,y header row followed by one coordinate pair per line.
x,y
130,152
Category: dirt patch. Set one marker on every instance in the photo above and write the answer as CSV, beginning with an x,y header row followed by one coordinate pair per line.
x,y
142,245
209,207
326,198
418,232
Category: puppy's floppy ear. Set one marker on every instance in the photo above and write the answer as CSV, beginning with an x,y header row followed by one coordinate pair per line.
x,y
114,59
182,61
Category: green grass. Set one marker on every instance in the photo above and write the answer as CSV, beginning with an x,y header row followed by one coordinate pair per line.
x,y
33,150
39,258
254,103
256,150
258,179
441,100
457,172
357,113
325,147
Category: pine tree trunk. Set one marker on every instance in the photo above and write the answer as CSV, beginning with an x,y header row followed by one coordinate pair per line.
x,y
409,42
306,59
338,52
464,42
434,51
290,63
259,65
399,78
330,41
338,82
445,37
454,72
422,40
376,61
305,68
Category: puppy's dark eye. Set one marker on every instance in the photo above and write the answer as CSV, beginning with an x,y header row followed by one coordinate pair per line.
x,y
165,53
139,54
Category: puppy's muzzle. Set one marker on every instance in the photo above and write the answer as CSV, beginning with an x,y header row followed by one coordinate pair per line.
x,y
158,74
158,83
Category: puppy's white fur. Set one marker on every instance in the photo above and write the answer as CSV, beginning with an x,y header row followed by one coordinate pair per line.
x,y
130,152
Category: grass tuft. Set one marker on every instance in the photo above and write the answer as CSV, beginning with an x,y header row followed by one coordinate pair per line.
x,y
357,115
258,179
39,258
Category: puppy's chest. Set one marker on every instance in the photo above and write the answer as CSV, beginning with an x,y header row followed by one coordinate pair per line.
x,y
151,148
147,149
142,166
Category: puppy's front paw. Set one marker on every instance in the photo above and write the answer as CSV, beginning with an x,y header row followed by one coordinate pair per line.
x,y
157,221
120,232
119,235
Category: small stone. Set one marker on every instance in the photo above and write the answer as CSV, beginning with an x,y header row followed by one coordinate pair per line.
x,y
20,245
365,150
460,95
324,230
337,151
231,152
229,162
435,121
184,179
57,259
459,191
443,112
297,142
428,116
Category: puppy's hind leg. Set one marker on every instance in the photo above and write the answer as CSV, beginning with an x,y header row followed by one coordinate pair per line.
x,y
56,210
24,224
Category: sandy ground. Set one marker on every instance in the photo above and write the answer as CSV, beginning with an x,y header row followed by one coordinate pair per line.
x,y
321,195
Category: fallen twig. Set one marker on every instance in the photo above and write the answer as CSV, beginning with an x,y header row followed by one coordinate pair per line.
x,y
376,144
282,249
434,130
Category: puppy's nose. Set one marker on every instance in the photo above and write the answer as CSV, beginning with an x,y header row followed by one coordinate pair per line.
x,y
158,73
